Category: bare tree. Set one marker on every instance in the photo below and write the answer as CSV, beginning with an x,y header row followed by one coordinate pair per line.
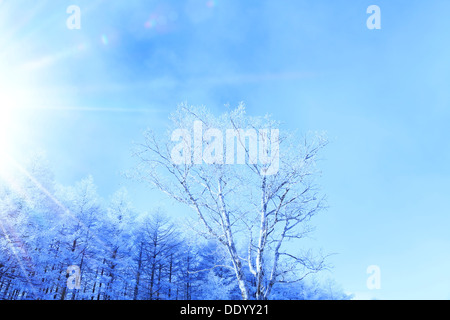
x,y
158,242
250,186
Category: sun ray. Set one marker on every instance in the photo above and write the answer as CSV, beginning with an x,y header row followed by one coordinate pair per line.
x,y
59,204
66,211
20,191
16,255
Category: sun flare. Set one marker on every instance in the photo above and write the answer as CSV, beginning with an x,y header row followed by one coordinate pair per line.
x,y
6,136
11,110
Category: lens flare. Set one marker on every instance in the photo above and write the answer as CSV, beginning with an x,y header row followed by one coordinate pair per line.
x,y
6,122
13,99
211,3
105,39
151,22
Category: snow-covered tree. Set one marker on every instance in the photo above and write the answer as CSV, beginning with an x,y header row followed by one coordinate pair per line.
x,y
157,246
114,274
45,228
81,234
310,289
264,202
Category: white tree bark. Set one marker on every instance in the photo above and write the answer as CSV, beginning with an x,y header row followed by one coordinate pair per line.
x,y
231,198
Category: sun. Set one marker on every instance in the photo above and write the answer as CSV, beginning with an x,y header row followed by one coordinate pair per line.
x,y
12,100
3,127
6,126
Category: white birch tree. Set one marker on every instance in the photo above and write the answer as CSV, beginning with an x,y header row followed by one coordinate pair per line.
x,y
249,185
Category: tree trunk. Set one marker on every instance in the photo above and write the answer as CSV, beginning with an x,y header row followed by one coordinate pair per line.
x,y
138,273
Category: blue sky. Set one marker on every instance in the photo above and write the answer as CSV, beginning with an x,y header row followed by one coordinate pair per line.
x,y
381,95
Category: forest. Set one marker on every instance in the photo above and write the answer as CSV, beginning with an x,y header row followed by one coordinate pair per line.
x,y
62,242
